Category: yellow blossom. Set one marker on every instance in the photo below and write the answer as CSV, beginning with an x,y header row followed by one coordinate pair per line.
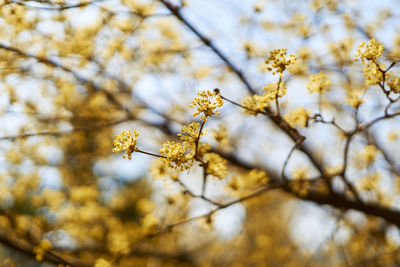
x,y
158,169
216,165
395,51
354,98
297,117
341,51
249,103
191,133
235,184
250,180
257,177
319,83
369,182
150,223
41,249
145,205
251,48
274,90
368,155
221,135
206,223
278,60
206,104
118,243
202,72
102,263
369,52
175,157
126,142
298,68
304,54
372,74
319,4
393,136
300,173
83,194
333,170
348,21
393,82
300,184
257,103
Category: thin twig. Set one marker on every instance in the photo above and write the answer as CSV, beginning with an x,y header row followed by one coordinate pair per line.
x,y
175,10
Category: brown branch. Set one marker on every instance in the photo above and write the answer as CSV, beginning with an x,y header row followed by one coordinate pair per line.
x,y
342,202
50,6
84,81
283,176
150,154
197,141
205,176
345,164
371,138
77,76
318,118
292,133
50,256
186,190
169,227
175,10
367,125
66,132
333,199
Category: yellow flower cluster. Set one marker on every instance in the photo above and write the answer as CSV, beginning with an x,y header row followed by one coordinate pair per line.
x,y
278,60
191,133
299,68
393,136
372,74
216,165
150,223
369,182
126,142
341,51
159,169
247,182
329,4
206,103
297,117
353,98
368,155
221,135
44,246
256,177
369,52
319,83
274,90
102,263
118,243
393,82
302,185
175,157
257,103
300,172
82,194
140,7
